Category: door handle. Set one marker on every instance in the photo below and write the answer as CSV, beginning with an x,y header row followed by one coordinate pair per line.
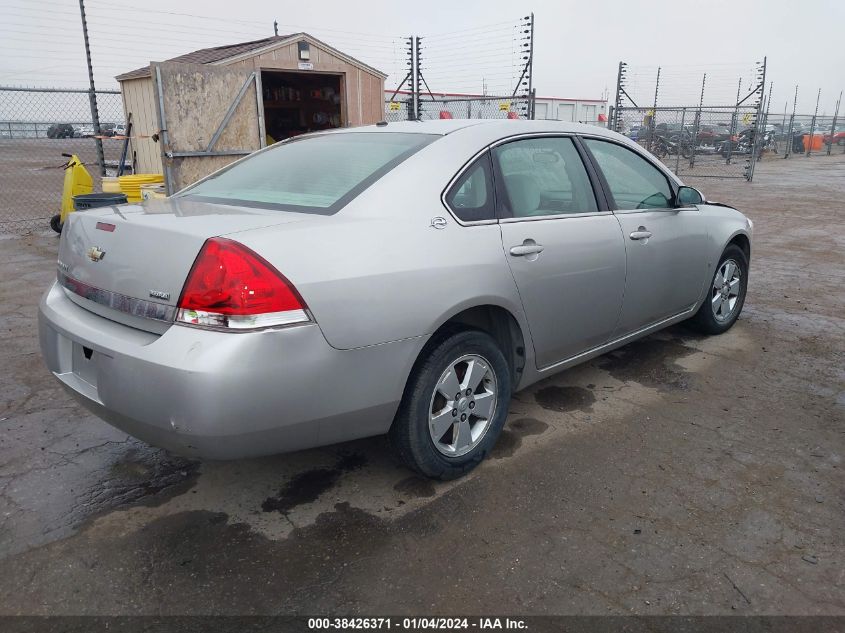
x,y
528,247
641,234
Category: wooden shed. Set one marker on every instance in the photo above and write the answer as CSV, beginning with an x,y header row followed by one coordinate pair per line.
x,y
196,113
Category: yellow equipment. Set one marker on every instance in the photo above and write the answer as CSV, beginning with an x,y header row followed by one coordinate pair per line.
x,y
77,182
131,185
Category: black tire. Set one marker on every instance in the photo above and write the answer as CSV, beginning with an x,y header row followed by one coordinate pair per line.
x,y
409,433
705,321
56,223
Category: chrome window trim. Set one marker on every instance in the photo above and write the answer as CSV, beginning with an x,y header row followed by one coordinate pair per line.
x,y
659,209
141,308
671,178
457,177
477,155
557,216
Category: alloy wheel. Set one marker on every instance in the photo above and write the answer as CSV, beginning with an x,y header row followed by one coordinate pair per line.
x,y
463,405
724,293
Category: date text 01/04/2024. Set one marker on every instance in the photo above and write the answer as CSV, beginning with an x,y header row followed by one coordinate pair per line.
x,y
416,623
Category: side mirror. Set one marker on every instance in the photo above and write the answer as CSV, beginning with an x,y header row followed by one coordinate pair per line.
x,y
689,196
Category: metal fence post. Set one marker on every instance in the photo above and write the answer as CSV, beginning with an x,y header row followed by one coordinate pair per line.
x,y
734,123
833,124
758,120
617,102
653,124
92,95
767,108
681,142
533,104
788,151
809,149
697,124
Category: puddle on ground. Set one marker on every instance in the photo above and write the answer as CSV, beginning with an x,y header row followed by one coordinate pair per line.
x,y
306,487
139,476
511,437
556,398
650,362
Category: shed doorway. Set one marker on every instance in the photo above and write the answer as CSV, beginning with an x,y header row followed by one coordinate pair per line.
x,y
296,103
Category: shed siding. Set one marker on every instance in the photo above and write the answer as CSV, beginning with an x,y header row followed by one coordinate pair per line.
x,y
139,99
363,96
364,92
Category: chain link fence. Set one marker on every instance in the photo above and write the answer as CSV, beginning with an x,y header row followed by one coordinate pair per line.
x,y
446,107
36,127
808,134
706,142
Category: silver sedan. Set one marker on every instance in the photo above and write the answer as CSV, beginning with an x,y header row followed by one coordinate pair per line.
x,y
403,279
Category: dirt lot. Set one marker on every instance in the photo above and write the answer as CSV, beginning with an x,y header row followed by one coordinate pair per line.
x,y
678,475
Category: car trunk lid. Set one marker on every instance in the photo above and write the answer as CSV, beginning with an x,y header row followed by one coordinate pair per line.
x,y
129,263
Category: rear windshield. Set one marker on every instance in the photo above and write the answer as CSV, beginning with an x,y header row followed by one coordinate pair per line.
x,y
316,174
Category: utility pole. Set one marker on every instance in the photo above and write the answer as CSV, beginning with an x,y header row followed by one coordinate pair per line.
x,y
92,95
526,77
275,28
618,100
414,113
531,68
652,125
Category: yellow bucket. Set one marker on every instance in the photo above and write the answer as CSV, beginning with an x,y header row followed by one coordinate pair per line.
x,y
131,185
111,184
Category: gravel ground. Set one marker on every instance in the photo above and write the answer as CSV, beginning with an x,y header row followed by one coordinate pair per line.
x,y
677,475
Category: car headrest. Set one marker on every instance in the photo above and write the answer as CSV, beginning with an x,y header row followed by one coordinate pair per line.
x,y
524,194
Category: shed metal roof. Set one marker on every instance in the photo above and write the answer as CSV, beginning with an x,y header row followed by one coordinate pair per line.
x,y
221,53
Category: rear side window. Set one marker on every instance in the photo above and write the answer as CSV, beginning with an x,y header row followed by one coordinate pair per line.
x,y
543,176
471,197
316,174
634,182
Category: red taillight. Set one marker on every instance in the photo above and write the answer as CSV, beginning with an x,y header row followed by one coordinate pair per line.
x,y
232,287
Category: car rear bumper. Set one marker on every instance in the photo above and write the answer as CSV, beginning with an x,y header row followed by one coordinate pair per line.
x,y
222,395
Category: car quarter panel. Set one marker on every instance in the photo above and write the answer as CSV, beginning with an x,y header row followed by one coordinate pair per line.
x,y
219,394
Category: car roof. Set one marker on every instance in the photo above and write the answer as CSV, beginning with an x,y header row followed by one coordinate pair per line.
x,y
503,127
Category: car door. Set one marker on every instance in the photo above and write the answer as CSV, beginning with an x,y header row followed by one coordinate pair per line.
x,y
665,245
564,248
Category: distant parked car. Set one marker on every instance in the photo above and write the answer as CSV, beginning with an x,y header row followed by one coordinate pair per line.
x,y
107,129
84,131
712,134
119,130
60,130
837,138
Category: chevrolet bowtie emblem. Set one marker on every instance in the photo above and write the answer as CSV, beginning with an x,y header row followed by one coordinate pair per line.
x,y
95,254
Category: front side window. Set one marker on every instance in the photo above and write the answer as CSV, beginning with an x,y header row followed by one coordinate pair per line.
x,y
316,174
634,182
543,176
471,197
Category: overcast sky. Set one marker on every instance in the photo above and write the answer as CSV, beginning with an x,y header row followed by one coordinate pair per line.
x,y
470,45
